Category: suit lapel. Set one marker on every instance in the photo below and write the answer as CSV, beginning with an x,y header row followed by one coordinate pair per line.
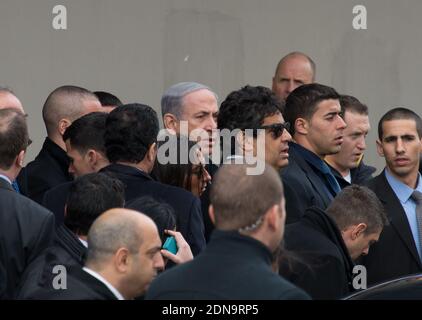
x,y
315,181
397,215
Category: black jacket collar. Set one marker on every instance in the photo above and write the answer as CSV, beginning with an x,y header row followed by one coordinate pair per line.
x,y
117,168
57,153
318,220
232,242
68,241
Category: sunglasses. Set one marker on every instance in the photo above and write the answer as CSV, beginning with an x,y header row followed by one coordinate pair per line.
x,y
277,129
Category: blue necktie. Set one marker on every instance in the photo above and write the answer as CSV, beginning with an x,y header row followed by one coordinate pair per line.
x,y
15,186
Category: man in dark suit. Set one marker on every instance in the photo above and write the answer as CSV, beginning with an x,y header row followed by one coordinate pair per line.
x,y
130,143
122,259
256,114
89,196
347,165
25,227
314,113
50,168
236,264
398,251
328,242
84,140
190,109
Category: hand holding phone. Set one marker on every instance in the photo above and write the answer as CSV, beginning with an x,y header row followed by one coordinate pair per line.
x,y
170,245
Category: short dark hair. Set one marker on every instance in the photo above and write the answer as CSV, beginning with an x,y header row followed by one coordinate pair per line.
x,y
358,204
13,136
161,213
177,174
89,196
400,113
131,129
241,206
302,102
65,102
353,105
87,132
107,99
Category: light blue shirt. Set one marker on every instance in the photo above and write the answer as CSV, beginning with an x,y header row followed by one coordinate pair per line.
x,y
404,193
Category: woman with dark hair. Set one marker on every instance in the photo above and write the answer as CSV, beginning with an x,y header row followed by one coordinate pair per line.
x,y
181,163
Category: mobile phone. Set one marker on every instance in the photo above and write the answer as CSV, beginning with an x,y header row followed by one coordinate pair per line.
x,y
170,245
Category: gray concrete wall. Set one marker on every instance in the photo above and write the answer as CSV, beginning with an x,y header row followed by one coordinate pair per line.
x,y
137,48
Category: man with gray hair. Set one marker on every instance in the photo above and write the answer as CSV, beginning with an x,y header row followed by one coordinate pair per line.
x,y
122,259
8,99
190,108
50,168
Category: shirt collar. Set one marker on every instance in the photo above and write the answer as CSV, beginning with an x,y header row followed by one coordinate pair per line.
x,y
5,178
105,282
85,244
402,191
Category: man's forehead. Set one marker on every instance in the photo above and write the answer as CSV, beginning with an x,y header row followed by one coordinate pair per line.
x,y
328,105
399,127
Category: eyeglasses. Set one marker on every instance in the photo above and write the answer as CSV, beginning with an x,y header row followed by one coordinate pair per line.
x,y
277,129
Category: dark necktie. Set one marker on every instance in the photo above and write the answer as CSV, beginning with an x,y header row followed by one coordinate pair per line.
x,y
417,197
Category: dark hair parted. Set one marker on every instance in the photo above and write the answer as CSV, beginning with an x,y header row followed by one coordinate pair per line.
x,y
107,99
400,113
89,196
87,132
241,205
161,213
13,136
358,204
303,101
131,129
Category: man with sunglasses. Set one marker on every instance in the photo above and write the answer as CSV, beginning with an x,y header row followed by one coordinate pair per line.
x,y
253,118
317,126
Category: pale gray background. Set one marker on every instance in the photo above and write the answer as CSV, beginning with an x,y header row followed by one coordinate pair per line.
x,y
136,49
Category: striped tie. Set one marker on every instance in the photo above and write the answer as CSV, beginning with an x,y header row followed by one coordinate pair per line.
x,y
417,197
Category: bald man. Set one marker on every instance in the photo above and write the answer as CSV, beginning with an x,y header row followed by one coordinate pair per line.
x,y
293,70
9,100
50,168
123,257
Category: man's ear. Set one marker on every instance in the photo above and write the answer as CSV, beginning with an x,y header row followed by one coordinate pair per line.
x,y
92,157
20,158
358,230
152,153
272,217
245,142
122,260
171,123
63,125
211,213
301,126
380,150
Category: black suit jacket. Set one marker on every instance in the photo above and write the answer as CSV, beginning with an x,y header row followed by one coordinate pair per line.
x,y
49,169
55,200
325,268
307,189
232,267
80,286
187,207
26,229
67,250
395,253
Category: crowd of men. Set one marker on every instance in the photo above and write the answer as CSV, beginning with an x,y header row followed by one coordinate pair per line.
x,y
87,218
